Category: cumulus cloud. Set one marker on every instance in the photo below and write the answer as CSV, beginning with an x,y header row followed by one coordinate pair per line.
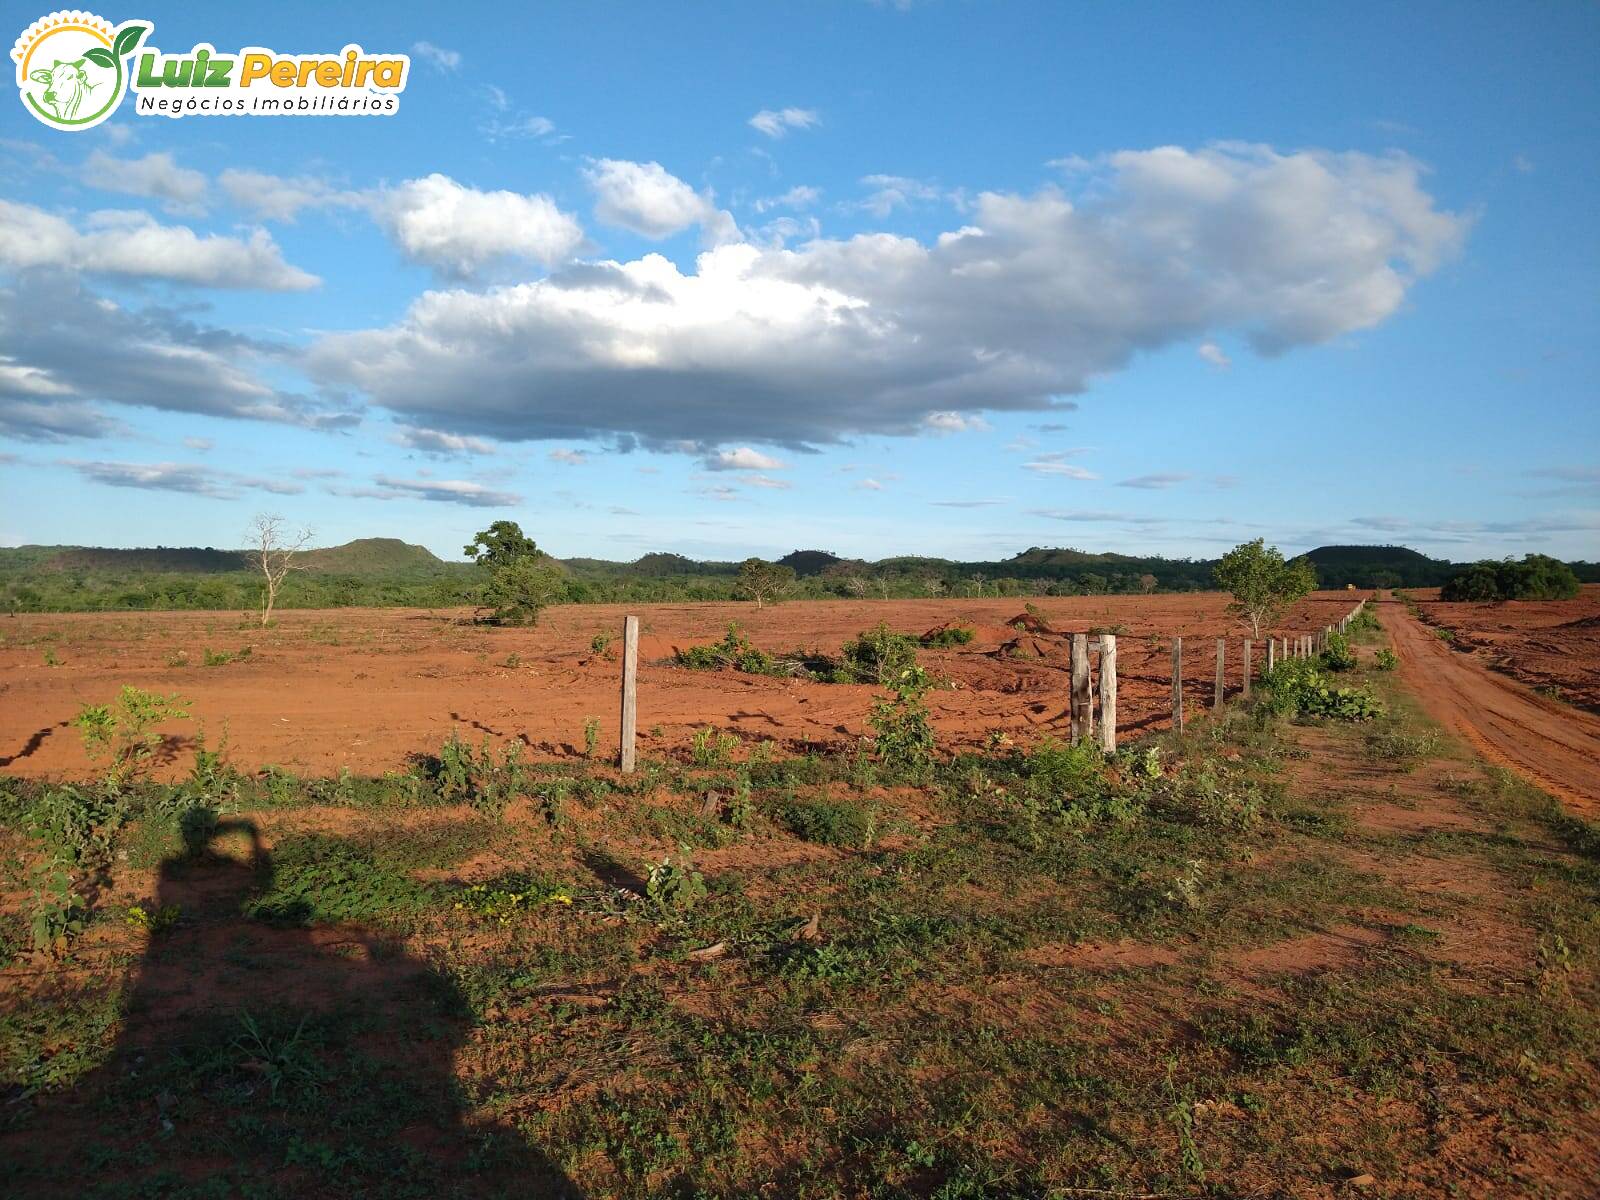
x,y
742,459
67,349
1214,354
155,176
652,202
777,122
135,245
459,231
572,458
954,422
282,198
179,477
436,56
1022,307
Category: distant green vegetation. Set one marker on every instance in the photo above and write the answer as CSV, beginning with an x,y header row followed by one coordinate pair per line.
x,y
1536,577
386,572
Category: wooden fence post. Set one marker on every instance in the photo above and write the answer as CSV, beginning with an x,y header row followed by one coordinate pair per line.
x,y
1272,646
1177,684
1082,714
1221,687
1108,692
1244,674
630,698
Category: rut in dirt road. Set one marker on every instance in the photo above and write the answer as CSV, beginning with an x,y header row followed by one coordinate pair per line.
x,y
1552,745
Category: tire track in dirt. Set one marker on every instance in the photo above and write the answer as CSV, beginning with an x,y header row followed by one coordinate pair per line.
x,y
1552,745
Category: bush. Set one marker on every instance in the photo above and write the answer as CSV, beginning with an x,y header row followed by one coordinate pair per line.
x,y
734,652
1536,577
878,656
828,822
903,737
1385,660
1338,656
950,635
1298,687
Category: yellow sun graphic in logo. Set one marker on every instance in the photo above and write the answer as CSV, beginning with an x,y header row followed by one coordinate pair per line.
x,y
71,70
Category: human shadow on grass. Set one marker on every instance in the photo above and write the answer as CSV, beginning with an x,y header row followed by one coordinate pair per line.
x,y
269,1057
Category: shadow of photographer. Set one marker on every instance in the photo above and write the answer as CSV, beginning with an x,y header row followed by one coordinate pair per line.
x,y
264,1056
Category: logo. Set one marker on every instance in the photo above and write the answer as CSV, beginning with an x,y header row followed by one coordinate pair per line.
x,y
71,67
74,68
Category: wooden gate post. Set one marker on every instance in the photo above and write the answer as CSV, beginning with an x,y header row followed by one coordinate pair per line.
x,y
1244,674
630,698
1222,652
1108,693
1082,713
1177,684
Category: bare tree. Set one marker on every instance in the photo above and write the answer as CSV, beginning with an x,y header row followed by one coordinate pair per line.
x,y
275,555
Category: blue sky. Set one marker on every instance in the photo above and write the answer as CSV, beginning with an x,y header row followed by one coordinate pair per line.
x,y
944,278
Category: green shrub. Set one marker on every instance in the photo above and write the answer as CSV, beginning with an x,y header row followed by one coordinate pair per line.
x,y
828,822
1385,660
877,656
950,635
123,732
903,737
476,778
1298,687
734,653
1338,656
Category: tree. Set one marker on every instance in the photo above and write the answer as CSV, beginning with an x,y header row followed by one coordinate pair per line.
x,y
500,545
523,579
275,555
763,581
1264,586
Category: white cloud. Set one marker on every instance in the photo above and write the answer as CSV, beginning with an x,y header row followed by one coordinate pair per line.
x,y
573,458
765,481
1214,354
442,445
653,202
155,176
446,491
1021,308
1061,470
798,197
742,459
200,444
437,56
890,192
776,122
280,198
955,422
135,245
869,485
1157,482
459,231
179,477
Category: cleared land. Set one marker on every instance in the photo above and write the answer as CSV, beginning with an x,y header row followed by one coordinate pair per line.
x,y
1553,745
363,689
1552,646
1264,960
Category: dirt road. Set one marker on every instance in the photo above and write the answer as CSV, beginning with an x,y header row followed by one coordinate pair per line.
x,y
1549,743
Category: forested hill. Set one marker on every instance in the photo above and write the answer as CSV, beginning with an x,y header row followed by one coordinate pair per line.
x,y
388,571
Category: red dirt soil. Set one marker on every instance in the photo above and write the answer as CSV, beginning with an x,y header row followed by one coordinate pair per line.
x,y
1547,644
364,688
1553,745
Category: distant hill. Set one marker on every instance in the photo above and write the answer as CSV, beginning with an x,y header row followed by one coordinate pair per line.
x,y
364,556
809,562
1378,566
